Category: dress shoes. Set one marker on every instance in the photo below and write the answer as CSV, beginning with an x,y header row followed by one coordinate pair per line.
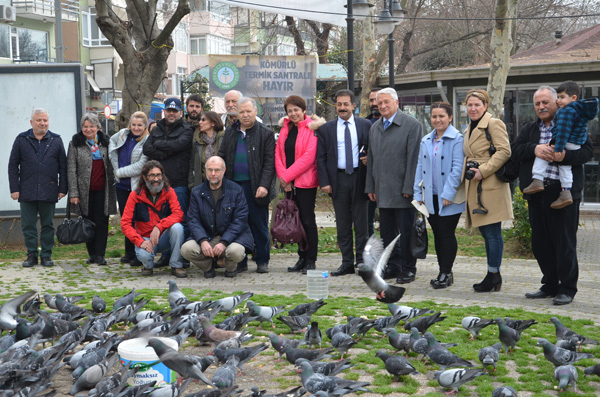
x,y
309,265
443,280
539,294
91,260
101,261
47,262
127,259
262,268
406,277
343,270
31,261
298,266
562,299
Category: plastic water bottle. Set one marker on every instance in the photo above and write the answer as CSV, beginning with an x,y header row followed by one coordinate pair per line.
x,y
317,284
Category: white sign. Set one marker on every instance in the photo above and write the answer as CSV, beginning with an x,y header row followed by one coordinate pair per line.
x,y
107,111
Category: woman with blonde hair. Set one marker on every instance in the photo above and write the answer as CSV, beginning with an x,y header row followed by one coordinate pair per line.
x,y
487,148
125,153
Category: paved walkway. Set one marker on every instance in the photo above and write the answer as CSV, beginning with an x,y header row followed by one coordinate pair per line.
x,y
520,276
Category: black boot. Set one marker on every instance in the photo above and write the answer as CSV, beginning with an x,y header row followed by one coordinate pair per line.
x,y
309,265
298,266
443,280
343,270
491,282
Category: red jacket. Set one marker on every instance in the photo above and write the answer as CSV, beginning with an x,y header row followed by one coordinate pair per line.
x,y
140,215
303,172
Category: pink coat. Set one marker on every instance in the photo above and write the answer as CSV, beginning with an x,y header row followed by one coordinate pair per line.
x,y
304,170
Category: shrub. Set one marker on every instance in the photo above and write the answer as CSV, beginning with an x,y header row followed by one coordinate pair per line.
x,y
520,234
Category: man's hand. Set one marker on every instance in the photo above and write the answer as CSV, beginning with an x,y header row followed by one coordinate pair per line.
x,y
559,156
15,195
61,195
261,192
326,189
154,236
147,245
207,250
545,152
372,196
363,160
74,200
219,249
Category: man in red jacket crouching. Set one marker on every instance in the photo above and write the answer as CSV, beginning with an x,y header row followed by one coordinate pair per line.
x,y
152,220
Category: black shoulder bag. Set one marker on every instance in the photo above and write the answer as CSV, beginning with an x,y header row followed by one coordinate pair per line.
x,y
509,170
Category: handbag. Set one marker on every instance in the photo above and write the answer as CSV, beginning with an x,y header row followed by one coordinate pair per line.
x,y
418,238
75,231
509,170
287,228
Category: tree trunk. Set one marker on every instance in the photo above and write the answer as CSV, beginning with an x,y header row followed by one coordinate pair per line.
x,y
291,25
500,48
373,58
322,39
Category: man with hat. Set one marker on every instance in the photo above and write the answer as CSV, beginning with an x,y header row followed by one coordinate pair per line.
x,y
169,143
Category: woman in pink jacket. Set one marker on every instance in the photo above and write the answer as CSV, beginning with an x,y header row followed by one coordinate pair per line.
x,y
296,166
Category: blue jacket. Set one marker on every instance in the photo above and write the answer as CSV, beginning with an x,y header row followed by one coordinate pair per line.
x,y
38,176
449,165
232,215
570,122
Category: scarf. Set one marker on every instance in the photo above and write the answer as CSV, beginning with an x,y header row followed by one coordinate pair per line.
x,y
209,142
93,144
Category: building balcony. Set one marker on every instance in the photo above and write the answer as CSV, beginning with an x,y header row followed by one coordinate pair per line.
x,y
43,10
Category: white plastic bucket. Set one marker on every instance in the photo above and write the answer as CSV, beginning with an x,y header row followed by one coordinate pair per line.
x,y
317,286
135,350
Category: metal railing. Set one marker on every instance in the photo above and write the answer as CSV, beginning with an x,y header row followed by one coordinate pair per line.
x,y
70,8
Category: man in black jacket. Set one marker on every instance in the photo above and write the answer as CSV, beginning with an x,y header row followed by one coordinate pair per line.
x,y
553,231
37,174
248,149
170,144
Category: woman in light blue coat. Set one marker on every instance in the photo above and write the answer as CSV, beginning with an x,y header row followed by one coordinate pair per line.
x,y
437,181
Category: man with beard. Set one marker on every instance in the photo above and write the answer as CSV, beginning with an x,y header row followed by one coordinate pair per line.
x,y
218,217
152,220
231,107
194,106
372,117
341,144
169,143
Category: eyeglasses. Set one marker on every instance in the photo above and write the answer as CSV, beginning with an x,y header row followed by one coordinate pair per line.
x,y
154,176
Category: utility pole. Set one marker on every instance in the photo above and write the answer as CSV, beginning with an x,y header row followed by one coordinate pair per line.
x,y
60,50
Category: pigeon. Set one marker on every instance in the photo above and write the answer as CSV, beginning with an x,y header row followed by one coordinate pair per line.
x,y
234,323
173,390
9,311
418,344
396,365
313,335
455,378
31,307
67,307
293,353
423,323
563,332
126,300
504,391
593,370
342,342
565,375
328,369
213,334
490,355
397,340
508,336
380,324
314,382
278,343
375,258
229,303
307,309
296,323
188,366
98,304
569,344
407,313
225,375
359,326
236,342
519,325
442,356
51,300
263,313
559,356
474,325
244,354
94,374
176,297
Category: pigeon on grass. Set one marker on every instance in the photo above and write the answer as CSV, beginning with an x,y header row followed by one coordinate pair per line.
x,y
490,355
455,378
474,325
508,336
566,375
396,365
559,356
263,313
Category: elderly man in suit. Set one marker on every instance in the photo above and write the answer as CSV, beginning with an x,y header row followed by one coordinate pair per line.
x,y
394,142
341,143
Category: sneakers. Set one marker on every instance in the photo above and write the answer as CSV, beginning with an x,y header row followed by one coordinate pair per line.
x,y
31,261
147,272
535,186
179,272
260,267
564,199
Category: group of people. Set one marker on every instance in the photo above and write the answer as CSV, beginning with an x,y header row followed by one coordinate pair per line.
x,y
196,189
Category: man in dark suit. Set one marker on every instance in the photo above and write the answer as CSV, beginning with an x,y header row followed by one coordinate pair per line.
x,y
342,142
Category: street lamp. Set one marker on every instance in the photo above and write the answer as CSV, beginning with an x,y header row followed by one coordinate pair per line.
x,y
391,15
361,7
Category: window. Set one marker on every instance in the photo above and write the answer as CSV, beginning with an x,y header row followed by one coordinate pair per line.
x,y
4,41
180,37
219,11
198,45
92,36
176,79
23,44
209,44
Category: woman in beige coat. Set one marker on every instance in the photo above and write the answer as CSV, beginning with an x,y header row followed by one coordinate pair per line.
x,y
488,198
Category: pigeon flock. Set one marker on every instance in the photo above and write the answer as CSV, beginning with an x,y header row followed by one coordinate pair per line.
x,y
39,341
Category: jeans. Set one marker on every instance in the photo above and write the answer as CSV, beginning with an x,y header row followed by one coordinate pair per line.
x,y
29,214
494,245
170,240
258,218
122,196
183,196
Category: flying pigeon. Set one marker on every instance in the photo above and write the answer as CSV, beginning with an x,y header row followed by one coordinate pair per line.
x,y
519,325
9,311
474,325
565,375
455,378
380,324
374,261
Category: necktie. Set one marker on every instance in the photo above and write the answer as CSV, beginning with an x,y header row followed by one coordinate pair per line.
x,y
348,145
386,124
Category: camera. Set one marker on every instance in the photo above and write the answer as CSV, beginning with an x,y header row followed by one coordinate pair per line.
x,y
469,174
